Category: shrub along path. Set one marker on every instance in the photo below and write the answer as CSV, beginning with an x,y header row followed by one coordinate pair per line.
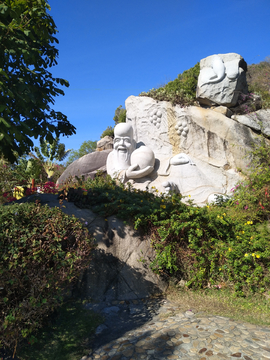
x,y
156,329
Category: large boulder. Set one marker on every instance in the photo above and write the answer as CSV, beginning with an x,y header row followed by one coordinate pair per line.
x,y
257,120
218,145
222,78
105,143
86,166
120,267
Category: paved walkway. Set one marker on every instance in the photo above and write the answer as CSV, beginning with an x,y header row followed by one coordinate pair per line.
x,y
156,329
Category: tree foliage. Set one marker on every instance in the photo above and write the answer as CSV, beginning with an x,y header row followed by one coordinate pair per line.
x,y
86,148
27,88
51,152
120,115
107,132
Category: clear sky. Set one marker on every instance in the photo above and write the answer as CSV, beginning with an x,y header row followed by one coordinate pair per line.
x,y
109,50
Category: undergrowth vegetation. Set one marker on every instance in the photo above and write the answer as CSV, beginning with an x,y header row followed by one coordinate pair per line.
x,y
182,90
258,78
42,250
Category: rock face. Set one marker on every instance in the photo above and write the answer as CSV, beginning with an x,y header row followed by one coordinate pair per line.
x,y
217,144
119,267
87,166
105,143
222,78
258,120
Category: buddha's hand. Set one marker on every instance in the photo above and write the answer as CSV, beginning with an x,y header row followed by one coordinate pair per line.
x,y
180,159
132,173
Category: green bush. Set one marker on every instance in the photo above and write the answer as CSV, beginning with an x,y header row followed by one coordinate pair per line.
x,y
180,91
107,132
258,78
251,198
208,245
42,250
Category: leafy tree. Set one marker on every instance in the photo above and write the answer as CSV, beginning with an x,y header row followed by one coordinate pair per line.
x,y
54,151
27,88
120,115
107,132
86,148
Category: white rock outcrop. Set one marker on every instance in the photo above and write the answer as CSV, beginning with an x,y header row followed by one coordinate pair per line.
x,y
222,78
257,120
217,145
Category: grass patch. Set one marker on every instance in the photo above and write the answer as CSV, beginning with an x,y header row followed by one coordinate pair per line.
x,y
254,308
66,337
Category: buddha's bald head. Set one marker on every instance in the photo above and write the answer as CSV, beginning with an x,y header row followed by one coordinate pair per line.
x,y
123,129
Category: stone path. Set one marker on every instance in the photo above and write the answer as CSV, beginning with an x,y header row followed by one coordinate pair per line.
x,y
156,329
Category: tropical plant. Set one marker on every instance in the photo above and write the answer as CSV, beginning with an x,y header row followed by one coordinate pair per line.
x,y
53,151
27,88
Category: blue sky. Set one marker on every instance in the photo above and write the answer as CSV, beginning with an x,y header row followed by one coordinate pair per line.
x,y
109,50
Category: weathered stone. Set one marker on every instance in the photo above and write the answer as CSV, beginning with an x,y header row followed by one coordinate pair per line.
x,y
105,143
237,355
115,270
223,110
258,120
86,166
100,329
222,78
216,144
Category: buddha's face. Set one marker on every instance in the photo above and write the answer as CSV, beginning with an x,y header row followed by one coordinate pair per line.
x,y
123,143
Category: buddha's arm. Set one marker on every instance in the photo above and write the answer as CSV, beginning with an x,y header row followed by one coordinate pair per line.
x,y
132,173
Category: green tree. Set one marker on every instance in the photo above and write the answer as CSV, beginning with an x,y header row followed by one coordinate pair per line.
x,y
86,148
27,88
54,151
107,132
120,115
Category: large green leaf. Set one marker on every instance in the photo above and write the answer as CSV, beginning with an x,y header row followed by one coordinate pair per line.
x,y
27,88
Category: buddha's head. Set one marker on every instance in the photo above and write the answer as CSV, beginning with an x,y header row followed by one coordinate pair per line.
x,y
123,144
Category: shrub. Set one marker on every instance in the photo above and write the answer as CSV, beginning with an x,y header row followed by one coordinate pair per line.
x,y
180,91
108,132
251,198
205,246
258,78
41,251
